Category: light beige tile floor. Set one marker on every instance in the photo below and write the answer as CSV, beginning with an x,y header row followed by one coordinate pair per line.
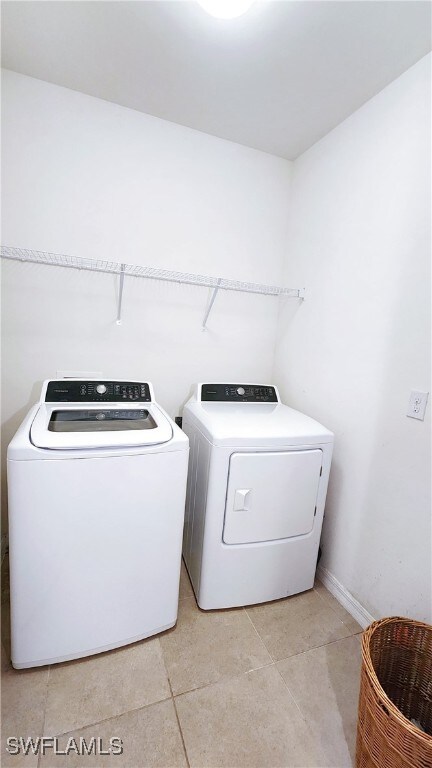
x,y
325,684
249,720
206,646
297,624
340,611
109,684
151,737
269,686
23,699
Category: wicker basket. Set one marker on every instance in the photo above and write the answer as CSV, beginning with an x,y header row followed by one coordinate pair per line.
x,y
396,686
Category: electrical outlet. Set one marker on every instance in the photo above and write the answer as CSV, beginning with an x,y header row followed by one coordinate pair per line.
x,y
417,405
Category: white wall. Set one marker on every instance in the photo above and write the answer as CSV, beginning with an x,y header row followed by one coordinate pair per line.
x,y
86,177
360,243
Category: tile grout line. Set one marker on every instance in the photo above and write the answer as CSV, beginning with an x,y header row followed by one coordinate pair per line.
x,y
45,711
258,635
228,677
222,680
175,707
302,714
181,732
328,604
271,663
314,648
292,655
112,717
291,693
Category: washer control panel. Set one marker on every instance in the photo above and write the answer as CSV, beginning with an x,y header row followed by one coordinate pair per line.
x,y
238,393
77,391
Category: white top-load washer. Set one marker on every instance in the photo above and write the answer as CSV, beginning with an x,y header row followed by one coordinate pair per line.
x,y
257,484
96,480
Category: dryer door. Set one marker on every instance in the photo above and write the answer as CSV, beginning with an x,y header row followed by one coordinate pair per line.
x,y
271,495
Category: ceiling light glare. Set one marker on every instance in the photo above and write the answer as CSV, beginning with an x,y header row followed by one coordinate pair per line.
x,y
226,9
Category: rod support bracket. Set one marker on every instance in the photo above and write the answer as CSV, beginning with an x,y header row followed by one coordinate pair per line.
x,y
120,294
210,304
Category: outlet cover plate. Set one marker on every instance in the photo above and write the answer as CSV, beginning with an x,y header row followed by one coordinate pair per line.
x,y
417,405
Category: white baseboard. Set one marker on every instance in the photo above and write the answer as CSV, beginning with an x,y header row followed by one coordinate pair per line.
x,y
345,598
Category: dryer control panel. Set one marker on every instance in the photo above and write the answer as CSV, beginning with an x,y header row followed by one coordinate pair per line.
x,y
77,391
238,393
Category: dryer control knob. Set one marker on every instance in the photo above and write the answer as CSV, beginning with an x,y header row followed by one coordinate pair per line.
x,y
240,390
101,389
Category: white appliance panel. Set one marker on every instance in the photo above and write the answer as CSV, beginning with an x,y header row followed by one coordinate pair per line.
x,y
271,495
95,549
196,500
254,568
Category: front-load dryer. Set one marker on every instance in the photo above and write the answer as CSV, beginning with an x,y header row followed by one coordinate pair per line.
x,y
257,483
96,480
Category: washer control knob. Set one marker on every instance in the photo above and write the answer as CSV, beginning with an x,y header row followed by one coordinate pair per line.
x,y
101,389
240,390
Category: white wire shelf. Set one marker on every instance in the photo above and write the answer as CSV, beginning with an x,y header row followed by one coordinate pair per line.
x,y
132,270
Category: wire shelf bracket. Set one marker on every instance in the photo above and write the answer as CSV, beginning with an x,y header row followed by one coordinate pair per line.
x,y
210,304
120,293
131,270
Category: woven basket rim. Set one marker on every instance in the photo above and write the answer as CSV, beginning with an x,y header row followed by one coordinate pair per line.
x,y
367,660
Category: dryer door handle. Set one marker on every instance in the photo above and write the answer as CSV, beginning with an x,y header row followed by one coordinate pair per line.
x,y
241,499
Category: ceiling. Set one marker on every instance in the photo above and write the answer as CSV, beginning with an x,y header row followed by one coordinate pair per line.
x,y
276,79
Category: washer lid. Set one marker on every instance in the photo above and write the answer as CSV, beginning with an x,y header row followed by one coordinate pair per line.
x,y
68,427
256,424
